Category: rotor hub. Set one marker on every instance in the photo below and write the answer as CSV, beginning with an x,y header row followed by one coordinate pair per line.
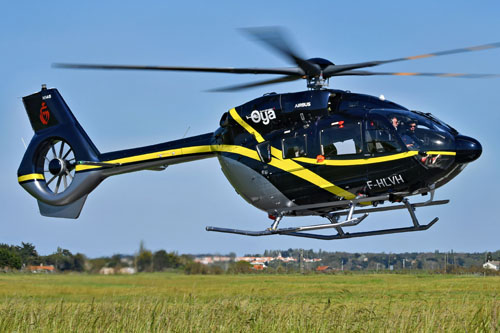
x,y
321,62
57,166
317,82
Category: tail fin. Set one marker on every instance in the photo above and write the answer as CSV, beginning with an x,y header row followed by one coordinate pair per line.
x,y
47,170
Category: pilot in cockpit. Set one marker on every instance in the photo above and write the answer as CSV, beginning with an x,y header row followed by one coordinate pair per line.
x,y
410,138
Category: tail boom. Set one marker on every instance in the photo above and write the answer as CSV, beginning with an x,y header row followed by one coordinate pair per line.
x,y
61,165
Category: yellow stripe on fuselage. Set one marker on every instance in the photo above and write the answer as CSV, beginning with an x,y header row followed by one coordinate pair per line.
x,y
287,165
247,127
449,153
360,161
165,154
31,176
371,160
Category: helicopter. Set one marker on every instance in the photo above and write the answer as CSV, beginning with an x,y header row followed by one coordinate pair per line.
x,y
320,152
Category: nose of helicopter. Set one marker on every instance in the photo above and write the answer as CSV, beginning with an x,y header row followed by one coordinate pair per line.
x,y
468,149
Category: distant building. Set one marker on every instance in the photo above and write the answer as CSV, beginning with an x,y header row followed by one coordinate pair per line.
x,y
255,259
107,271
495,265
312,260
208,260
127,270
212,259
258,266
323,269
41,269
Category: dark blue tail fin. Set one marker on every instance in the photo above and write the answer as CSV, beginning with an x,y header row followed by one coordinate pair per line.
x,y
47,170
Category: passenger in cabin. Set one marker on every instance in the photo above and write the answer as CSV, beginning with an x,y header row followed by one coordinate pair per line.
x,y
395,122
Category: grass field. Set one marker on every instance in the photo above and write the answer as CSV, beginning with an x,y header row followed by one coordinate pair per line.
x,y
236,303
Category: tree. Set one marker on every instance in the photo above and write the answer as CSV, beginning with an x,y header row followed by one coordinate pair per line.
x,y
79,262
240,267
115,261
28,254
163,260
144,261
195,268
9,259
64,260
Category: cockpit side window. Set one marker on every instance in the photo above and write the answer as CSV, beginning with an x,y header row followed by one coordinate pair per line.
x,y
381,137
421,133
294,146
412,134
342,138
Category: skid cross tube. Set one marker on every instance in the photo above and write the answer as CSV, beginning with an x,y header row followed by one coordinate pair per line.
x,y
335,224
285,231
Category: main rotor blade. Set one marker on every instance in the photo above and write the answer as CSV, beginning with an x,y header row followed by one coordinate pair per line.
x,y
455,75
332,69
254,70
254,84
275,38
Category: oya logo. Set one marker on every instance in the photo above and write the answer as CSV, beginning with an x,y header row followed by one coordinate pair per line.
x,y
44,114
265,116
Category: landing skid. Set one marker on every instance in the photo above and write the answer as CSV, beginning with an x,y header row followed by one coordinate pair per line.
x,y
349,221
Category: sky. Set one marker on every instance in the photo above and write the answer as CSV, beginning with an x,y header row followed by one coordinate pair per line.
x,y
170,209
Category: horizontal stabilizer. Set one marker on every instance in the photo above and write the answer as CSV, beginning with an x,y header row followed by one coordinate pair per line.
x,y
70,211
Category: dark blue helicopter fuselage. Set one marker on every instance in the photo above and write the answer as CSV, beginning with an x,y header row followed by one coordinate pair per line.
x,y
325,145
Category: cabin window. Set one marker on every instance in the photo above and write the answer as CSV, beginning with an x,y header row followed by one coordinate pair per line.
x,y
295,146
264,151
343,138
381,137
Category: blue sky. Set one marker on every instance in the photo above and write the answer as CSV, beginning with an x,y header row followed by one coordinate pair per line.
x,y
121,110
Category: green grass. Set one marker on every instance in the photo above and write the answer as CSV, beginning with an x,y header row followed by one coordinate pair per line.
x,y
242,303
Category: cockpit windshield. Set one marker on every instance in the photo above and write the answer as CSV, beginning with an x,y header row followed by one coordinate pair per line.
x,y
419,131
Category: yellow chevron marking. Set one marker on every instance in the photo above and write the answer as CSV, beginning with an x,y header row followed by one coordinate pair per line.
x,y
276,153
306,174
243,124
291,166
31,176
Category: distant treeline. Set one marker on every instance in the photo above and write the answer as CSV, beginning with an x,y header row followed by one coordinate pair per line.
x,y
377,261
25,256
18,257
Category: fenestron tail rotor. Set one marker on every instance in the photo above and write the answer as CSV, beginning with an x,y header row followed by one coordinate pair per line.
x,y
316,71
58,165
